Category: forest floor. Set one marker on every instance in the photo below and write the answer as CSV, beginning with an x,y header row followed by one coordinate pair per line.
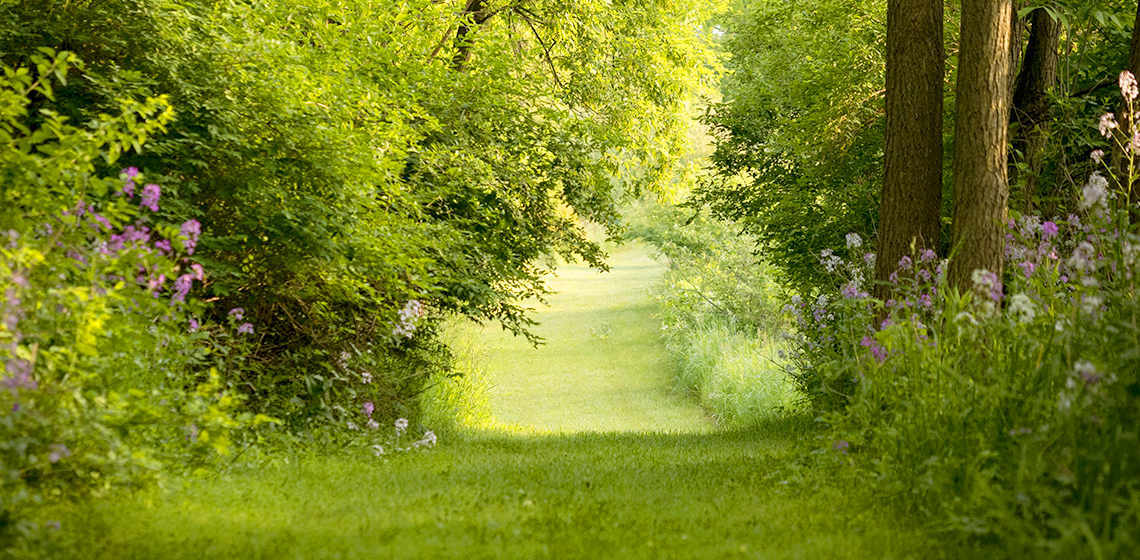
x,y
593,457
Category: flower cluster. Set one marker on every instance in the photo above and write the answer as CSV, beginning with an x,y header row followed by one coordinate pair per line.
x,y
410,315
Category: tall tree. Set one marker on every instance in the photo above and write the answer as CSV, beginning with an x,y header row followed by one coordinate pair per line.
x,y
1032,110
981,188
911,204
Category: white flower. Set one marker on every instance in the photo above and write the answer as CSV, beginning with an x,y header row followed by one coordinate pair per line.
x,y
1021,306
1095,192
365,377
1083,258
401,426
1097,155
829,260
428,440
854,241
378,450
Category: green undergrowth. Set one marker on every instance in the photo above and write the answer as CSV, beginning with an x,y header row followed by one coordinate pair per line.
x,y
730,494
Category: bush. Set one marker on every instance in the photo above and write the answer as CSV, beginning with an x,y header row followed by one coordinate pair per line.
x,y
107,375
719,315
1010,412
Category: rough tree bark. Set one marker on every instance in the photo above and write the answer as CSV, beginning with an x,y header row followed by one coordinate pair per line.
x,y
1031,108
911,206
981,190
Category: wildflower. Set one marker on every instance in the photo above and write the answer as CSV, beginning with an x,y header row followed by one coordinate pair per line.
x,y
1021,306
163,246
368,408
245,328
869,258
1027,268
58,451
182,287
1107,123
199,274
1097,155
1082,259
1128,85
412,312
194,325
372,425
987,283
854,241
237,313
893,278
850,290
1048,230
365,377
129,183
190,230
1095,192
872,345
1087,371
53,525
841,446
192,433
428,440
378,450
905,263
829,261
927,255
149,197
21,376
352,426
925,301
924,275
401,426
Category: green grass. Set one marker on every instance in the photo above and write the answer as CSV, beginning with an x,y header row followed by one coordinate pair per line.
x,y
733,494
603,366
592,456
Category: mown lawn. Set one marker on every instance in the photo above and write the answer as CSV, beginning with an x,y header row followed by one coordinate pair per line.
x,y
618,495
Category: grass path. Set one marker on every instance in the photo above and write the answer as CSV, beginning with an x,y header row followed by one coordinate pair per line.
x,y
603,366
609,465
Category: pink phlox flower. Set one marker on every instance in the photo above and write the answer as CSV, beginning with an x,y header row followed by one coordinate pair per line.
x,y
924,275
194,325
905,263
199,274
154,285
372,425
149,197
163,246
927,255
893,278
368,408
1027,268
1048,230
237,313
1107,124
21,377
245,328
877,351
1128,85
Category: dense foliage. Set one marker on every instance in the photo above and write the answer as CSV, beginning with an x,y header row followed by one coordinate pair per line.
x,y
345,167
1009,411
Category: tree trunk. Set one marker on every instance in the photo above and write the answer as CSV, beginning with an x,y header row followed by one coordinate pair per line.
x,y
476,10
981,190
911,207
1031,108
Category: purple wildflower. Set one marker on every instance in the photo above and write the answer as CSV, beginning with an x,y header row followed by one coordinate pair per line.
x,y
245,328
163,246
841,446
237,313
1028,268
182,287
905,263
368,408
927,255
149,197
190,229
874,347
194,325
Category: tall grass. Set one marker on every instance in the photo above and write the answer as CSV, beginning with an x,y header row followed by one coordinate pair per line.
x,y
458,399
